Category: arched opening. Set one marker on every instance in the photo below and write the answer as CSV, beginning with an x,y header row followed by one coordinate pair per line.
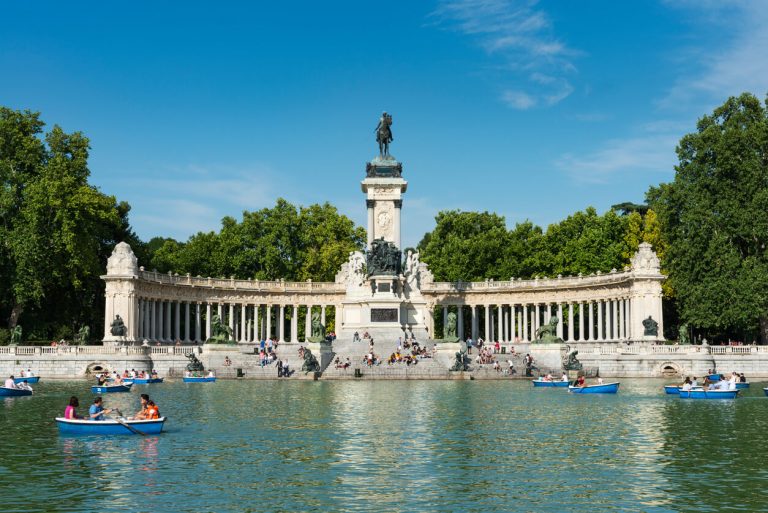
x,y
95,368
669,370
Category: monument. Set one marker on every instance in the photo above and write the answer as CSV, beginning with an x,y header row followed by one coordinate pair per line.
x,y
386,298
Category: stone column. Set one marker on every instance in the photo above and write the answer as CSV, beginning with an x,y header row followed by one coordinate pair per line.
x,y
186,322
198,322
322,314
256,327
177,321
219,310
570,322
231,320
581,321
308,324
487,322
295,324
601,323
160,321
460,315
560,320
615,320
243,323
525,338
536,320
370,204
208,314
396,225
591,322
473,322
499,323
445,319
269,321
281,324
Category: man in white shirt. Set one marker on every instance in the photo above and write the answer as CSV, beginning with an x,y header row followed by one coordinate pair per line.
x,y
9,383
565,377
30,374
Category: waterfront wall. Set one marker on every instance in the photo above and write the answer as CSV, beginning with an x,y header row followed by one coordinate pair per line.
x,y
610,360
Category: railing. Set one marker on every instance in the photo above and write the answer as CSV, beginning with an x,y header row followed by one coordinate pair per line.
x,y
644,349
231,283
614,277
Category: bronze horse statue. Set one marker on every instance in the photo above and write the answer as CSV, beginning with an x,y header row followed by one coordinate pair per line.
x,y
384,134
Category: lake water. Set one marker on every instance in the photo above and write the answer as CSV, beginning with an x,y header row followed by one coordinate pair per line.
x,y
398,446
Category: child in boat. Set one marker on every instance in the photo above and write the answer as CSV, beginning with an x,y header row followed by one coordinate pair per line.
x,y
580,382
69,411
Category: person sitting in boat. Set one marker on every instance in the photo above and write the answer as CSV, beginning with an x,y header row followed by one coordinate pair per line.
x,y
117,380
97,411
31,374
142,413
69,411
153,412
742,378
581,382
686,384
211,374
694,382
101,379
599,381
24,386
9,383
154,374
548,377
565,377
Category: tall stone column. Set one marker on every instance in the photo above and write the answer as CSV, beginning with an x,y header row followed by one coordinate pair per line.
x,y
581,321
220,310
601,322
322,314
208,314
487,323
396,226
141,319
445,319
615,308
295,324
168,326
160,321
186,321
370,204
256,326
512,322
500,323
198,322
231,320
177,321
308,324
460,315
525,323
536,320
560,320
281,324
243,323
591,322
570,322
268,313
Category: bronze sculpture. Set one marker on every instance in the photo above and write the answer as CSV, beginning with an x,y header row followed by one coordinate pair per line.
x,y
117,328
547,334
384,134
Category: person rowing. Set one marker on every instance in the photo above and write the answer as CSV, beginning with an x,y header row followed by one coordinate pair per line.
x,y
97,411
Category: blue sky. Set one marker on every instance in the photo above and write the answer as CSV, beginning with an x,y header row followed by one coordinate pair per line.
x,y
533,110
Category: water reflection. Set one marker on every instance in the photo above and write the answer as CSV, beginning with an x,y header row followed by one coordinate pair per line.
x,y
393,446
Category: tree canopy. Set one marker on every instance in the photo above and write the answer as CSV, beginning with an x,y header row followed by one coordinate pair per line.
x,y
272,243
56,230
471,246
715,222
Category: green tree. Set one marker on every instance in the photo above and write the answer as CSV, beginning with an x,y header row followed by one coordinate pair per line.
x,y
56,229
714,221
466,246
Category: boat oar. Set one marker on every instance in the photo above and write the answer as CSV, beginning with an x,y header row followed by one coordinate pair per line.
x,y
128,426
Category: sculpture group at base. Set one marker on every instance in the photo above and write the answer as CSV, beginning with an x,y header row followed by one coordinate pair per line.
x,y
194,364
310,362
547,333
461,361
220,332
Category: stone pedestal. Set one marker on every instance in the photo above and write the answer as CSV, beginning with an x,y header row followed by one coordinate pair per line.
x,y
384,187
547,357
323,352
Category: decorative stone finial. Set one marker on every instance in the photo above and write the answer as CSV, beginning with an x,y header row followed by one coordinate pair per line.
x,y
122,262
645,260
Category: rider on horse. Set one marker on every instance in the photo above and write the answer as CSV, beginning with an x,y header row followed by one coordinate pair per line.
x,y
384,134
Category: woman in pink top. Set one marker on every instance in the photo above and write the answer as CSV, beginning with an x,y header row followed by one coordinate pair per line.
x,y
69,411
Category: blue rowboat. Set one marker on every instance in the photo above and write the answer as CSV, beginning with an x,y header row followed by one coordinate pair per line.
x,y
549,384
146,381
714,377
32,380
199,380
765,391
13,392
700,393
672,389
742,386
605,388
108,427
108,389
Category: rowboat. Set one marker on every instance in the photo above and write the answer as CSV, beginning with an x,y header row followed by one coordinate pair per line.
x,y
701,393
765,391
672,389
13,392
109,426
742,386
146,381
605,388
31,380
714,377
192,379
550,384
107,389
